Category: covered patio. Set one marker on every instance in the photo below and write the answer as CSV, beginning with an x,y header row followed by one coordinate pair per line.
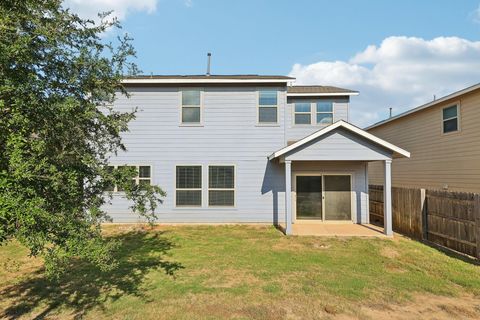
x,y
326,182
336,230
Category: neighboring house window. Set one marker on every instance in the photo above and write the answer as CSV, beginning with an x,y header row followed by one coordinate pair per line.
x,y
221,186
143,176
450,119
324,112
191,106
303,113
189,186
267,106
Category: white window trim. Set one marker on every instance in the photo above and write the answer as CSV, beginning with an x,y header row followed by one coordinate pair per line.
x,y
201,106
455,104
309,113
324,112
313,113
267,124
137,178
188,189
223,189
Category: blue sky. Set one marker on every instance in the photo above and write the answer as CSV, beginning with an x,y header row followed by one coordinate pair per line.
x,y
396,53
268,37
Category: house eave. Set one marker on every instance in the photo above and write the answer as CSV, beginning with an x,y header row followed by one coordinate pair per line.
x,y
206,81
329,94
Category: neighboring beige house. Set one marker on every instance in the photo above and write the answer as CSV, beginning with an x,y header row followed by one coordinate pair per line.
x,y
443,137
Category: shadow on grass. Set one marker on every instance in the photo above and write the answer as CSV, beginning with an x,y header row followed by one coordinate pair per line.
x,y
85,287
452,253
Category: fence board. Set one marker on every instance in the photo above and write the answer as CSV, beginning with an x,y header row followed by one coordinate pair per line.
x,y
406,212
450,219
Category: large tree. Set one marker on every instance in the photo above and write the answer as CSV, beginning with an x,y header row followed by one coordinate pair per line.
x,y
58,80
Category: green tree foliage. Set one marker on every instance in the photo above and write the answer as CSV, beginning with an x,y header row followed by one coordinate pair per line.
x,y
58,80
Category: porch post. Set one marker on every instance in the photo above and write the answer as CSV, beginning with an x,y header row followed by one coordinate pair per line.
x,y
288,197
387,198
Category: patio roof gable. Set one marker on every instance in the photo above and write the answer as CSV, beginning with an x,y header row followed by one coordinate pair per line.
x,y
354,144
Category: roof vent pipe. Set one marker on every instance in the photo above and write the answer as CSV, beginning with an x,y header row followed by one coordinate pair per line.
x,y
390,112
209,56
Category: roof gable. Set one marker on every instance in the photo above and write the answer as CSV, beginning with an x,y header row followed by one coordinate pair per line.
x,y
339,145
341,125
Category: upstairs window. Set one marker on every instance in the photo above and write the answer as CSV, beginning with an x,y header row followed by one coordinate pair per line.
x,y
303,113
143,176
191,106
450,119
324,110
188,186
221,186
267,107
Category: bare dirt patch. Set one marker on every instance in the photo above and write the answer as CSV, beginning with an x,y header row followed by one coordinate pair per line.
x,y
426,307
230,278
388,252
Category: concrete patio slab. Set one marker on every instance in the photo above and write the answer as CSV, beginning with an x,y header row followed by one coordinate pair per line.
x,y
338,230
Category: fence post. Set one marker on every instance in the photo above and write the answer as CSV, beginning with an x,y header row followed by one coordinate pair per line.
x,y
476,212
423,210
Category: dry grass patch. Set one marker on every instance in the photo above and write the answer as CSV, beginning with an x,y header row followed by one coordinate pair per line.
x,y
244,272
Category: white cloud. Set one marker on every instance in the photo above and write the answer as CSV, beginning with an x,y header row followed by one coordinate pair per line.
x,y
188,3
402,72
121,8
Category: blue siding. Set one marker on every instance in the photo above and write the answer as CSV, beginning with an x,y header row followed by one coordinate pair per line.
x,y
229,135
296,132
339,145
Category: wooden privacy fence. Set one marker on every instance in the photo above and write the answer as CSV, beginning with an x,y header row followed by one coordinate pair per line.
x,y
449,219
406,210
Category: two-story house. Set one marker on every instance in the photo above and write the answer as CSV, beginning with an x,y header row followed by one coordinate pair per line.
x,y
444,138
248,148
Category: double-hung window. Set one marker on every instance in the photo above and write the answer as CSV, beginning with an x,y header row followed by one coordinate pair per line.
x,y
267,107
221,186
191,107
450,119
303,113
143,176
324,110
188,186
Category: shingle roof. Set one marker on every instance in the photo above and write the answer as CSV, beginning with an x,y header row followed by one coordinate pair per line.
x,y
318,90
214,76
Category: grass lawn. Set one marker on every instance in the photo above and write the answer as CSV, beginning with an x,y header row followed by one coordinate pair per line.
x,y
245,272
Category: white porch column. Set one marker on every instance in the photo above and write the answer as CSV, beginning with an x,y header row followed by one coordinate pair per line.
x,y
387,198
288,197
